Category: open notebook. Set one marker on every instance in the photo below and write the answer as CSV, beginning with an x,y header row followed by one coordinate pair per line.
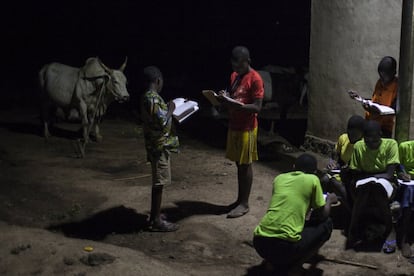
x,y
381,109
213,98
184,109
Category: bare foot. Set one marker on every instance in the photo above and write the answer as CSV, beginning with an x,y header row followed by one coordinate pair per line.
x,y
239,211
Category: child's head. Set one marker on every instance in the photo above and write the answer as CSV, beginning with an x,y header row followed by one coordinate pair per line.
x,y
306,163
355,128
387,68
372,134
240,59
153,77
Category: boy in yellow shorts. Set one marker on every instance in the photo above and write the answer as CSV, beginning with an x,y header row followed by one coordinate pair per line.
x,y
246,87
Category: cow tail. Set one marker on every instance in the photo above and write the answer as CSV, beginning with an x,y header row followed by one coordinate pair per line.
x,y
43,101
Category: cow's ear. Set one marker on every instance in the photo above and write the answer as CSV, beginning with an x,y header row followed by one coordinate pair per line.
x,y
93,69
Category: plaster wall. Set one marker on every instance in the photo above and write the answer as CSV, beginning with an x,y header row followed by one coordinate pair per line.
x,y
348,39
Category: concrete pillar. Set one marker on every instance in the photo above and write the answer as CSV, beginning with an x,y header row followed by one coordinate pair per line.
x,y
404,130
348,39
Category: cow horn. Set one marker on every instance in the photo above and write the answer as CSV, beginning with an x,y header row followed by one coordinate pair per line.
x,y
122,68
104,66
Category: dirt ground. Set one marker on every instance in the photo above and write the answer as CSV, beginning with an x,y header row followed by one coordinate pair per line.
x,y
53,205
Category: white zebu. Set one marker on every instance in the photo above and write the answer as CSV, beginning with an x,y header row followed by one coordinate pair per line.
x,y
88,90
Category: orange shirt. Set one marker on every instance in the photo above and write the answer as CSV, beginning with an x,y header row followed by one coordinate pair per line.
x,y
385,95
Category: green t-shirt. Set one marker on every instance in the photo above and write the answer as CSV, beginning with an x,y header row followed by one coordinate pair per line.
x,y
294,193
344,148
406,152
374,161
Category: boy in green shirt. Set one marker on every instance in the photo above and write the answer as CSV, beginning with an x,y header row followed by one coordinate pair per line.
x,y
282,239
406,197
372,167
341,157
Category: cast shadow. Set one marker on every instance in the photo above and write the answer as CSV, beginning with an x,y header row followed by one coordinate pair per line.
x,y
120,220
23,127
59,132
373,246
37,130
188,208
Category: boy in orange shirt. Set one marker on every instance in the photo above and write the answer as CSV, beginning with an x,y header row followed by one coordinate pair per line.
x,y
385,93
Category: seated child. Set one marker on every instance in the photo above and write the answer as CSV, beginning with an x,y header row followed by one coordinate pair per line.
x,y
342,155
372,167
406,195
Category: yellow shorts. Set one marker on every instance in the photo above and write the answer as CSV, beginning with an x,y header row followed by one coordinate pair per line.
x,y
161,169
242,146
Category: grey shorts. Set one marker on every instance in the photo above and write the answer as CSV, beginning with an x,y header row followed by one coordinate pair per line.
x,y
161,169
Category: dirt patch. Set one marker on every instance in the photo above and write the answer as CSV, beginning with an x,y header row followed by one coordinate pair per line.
x,y
58,204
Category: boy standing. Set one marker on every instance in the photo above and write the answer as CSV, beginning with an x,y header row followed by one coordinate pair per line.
x,y
385,93
246,87
159,142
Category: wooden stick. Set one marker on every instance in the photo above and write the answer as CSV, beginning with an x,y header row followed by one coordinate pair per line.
x,y
340,261
132,177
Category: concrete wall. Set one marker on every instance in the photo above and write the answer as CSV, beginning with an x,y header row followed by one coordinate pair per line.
x,y
348,39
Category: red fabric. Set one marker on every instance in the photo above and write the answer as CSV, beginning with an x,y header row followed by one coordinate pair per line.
x,y
250,88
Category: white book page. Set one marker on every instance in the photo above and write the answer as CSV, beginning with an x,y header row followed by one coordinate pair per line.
x,y
366,180
181,107
384,182
385,110
408,183
184,108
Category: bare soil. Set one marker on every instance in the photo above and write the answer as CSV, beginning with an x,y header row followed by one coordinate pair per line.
x,y
53,205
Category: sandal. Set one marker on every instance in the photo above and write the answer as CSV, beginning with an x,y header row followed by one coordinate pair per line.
x,y
389,246
163,226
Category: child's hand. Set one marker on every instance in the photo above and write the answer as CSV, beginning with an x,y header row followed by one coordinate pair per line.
x,y
223,93
353,94
370,109
404,176
332,164
331,198
171,106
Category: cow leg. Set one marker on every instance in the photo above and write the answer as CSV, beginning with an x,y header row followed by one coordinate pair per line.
x,y
45,112
46,132
98,136
93,124
83,109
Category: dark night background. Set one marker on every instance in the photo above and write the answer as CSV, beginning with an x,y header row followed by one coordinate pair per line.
x,y
189,41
